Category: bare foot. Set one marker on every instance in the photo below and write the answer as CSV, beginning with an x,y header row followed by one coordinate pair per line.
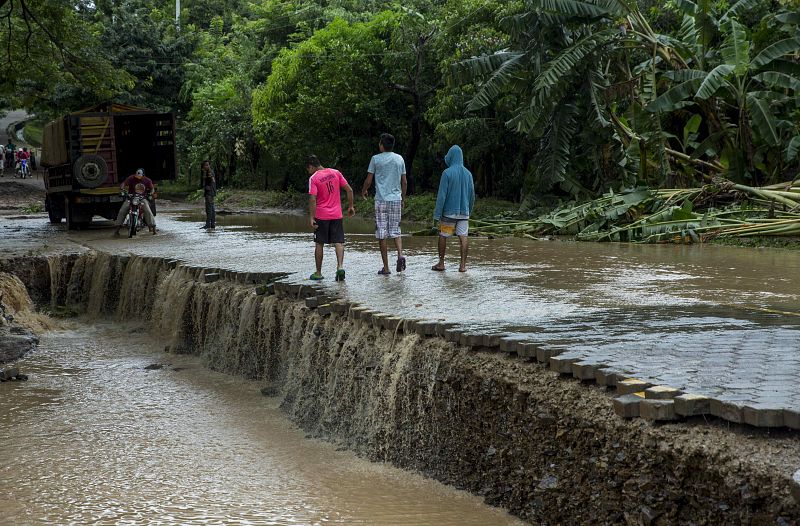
x,y
462,269
438,267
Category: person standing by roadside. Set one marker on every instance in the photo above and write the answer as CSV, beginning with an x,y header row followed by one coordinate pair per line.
x,y
454,203
2,159
389,171
325,187
209,193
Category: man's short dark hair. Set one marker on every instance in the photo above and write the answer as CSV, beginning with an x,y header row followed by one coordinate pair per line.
x,y
313,160
387,140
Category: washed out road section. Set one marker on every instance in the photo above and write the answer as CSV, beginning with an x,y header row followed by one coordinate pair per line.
x,y
720,321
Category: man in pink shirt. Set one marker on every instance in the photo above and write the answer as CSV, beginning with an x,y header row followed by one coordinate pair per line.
x,y
325,212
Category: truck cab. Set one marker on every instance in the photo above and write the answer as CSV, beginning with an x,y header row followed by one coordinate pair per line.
x,y
90,152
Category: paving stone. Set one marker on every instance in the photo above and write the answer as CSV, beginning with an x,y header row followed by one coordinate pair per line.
x,y
583,370
692,404
312,302
453,334
355,312
607,377
409,326
763,416
791,418
543,354
661,392
261,290
442,328
627,406
172,263
507,344
526,349
727,410
561,364
211,277
491,341
657,409
425,328
325,309
393,323
631,385
471,339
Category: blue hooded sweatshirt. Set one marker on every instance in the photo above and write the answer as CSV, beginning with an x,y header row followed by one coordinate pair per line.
x,y
456,190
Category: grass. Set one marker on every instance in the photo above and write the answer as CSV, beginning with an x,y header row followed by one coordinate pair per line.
x,y
33,132
790,243
33,208
419,208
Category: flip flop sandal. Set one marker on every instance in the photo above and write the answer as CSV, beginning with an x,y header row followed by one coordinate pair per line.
x,y
316,277
401,264
340,275
384,272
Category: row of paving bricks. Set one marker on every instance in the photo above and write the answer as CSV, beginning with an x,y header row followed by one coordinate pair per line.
x,y
633,397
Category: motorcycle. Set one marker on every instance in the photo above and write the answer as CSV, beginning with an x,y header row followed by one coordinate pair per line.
x,y
135,220
22,171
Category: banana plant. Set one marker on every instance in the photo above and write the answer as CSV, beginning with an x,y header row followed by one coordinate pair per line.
x,y
745,90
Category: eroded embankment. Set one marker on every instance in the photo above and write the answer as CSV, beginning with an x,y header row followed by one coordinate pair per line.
x,y
549,449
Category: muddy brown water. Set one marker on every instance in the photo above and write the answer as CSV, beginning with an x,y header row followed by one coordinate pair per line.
x,y
95,438
205,448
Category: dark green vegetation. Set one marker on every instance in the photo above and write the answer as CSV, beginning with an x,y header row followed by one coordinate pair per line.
x,y
553,101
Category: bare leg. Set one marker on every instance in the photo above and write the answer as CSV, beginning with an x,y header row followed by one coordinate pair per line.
x,y
464,245
442,247
339,255
398,243
318,252
384,254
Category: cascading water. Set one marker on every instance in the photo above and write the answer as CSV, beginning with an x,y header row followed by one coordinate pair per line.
x,y
500,427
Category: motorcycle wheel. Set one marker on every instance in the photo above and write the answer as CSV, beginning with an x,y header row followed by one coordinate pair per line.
x,y
132,225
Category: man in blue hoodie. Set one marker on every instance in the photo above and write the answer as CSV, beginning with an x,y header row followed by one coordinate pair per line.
x,y
454,203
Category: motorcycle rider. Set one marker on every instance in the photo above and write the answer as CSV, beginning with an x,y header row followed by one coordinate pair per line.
x,y
137,183
24,162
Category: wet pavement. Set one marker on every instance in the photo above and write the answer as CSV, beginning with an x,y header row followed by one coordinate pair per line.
x,y
719,321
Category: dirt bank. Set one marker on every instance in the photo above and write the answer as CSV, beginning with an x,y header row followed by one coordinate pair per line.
x,y
547,448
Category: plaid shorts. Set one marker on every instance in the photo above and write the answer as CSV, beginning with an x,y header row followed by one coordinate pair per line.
x,y
387,219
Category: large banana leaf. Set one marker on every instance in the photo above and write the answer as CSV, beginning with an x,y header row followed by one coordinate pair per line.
x,y
565,63
501,77
470,69
776,79
575,8
738,8
793,148
763,119
776,50
716,78
674,97
736,50
682,75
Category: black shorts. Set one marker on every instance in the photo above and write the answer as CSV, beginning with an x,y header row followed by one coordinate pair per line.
x,y
329,231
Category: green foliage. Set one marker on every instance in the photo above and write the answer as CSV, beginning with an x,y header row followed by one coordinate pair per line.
x,y
330,82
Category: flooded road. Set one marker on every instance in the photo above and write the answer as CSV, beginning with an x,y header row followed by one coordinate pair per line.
x,y
722,321
95,438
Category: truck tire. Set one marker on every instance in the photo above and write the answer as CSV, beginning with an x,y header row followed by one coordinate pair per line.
x,y
90,170
72,224
55,214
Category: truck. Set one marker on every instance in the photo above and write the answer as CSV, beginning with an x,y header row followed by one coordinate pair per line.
x,y
89,153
